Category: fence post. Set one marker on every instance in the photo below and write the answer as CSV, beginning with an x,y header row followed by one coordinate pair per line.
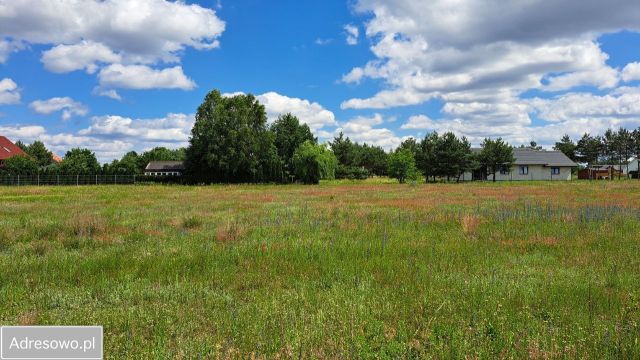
x,y
77,179
58,179
96,179
18,180
115,179
134,179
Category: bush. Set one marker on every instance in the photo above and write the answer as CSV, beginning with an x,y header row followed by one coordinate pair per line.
x,y
21,165
402,166
351,172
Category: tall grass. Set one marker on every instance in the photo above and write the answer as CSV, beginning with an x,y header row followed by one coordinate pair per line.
x,y
335,271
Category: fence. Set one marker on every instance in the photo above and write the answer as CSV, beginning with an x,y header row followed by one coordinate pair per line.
x,y
18,180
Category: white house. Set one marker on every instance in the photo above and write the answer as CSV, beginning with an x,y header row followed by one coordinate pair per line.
x,y
530,164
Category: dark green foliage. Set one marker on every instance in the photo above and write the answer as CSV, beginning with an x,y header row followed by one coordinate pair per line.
x,y
402,165
496,154
567,147
39,153
230,142
589,149
289,134
313,162
344,150
20,165
128,165
351,172
445,156
79,162
354,158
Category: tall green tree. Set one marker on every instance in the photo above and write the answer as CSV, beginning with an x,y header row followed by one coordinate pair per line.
x,y
589,149
426,159
344,150
79,161
567,147
289,134
129,164
402,165
496,154
313,162
373,159
40,153
230,141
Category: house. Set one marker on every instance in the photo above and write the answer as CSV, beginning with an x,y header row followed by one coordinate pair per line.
x,y
601,172
8,149
164,168
634,162
530,164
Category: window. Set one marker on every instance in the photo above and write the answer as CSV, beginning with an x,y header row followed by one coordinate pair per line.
x,y
555,171
524,170
504,170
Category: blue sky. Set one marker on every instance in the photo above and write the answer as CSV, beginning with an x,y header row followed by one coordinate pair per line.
x,y
119,75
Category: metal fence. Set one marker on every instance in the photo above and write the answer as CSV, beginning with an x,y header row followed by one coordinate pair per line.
x,y
37,180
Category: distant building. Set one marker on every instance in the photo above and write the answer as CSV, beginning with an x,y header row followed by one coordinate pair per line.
x,y
601,172
530,164
164,168
8,149
56,159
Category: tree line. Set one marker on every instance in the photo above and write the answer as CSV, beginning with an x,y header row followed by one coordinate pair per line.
x,y
611,148
232,142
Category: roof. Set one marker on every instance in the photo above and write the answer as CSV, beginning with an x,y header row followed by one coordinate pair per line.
x,y
542,157
165,166
528,156
9,149
56,159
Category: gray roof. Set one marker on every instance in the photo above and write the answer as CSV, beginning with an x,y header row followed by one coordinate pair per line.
x,y
538,157
165,166
541,157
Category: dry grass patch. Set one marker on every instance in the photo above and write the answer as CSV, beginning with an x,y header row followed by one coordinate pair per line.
x,y
86,225
230,232
470,224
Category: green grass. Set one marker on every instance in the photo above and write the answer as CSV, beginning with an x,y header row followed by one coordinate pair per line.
x,y
340,270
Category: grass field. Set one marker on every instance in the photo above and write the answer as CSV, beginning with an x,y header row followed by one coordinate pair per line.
x,y
363,270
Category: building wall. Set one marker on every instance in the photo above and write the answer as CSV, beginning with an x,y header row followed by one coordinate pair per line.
x,y
536,172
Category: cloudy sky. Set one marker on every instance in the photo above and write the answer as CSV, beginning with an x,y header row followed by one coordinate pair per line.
x,y
120,75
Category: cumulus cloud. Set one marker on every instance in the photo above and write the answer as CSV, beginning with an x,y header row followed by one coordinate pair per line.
x,y
364,129
174,128
631,72
67,105
88,34
9,92
144,30
478,57
352,33
310,113
84,55
144,77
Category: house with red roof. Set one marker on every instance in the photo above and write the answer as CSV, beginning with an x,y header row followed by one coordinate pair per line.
x,y
8,149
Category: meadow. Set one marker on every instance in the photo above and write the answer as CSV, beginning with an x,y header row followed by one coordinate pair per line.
x,y
340,270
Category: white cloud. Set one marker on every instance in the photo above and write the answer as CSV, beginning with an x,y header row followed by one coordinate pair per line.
x,y
631,72
67,105
110,93
363,129
322,42
89,34
419,122
84,55
174,128
144,77
461,48
9,92
310,113
352,33
142,30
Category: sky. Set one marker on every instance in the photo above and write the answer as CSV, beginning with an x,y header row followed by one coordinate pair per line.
x,y
121,75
